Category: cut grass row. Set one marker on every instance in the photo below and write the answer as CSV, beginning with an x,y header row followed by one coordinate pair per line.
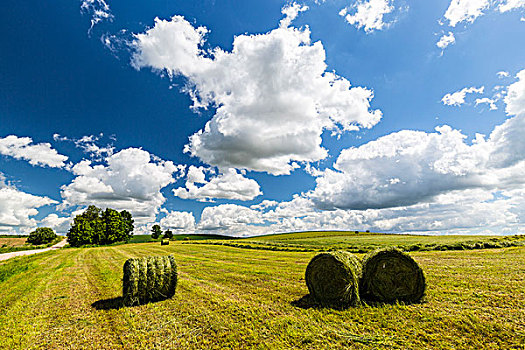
x,y
238,298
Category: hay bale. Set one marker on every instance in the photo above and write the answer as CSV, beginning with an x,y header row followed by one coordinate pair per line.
x,y
332,278
165,242
149,279
389,275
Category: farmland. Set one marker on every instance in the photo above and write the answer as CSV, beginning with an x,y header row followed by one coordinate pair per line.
x,y
228,297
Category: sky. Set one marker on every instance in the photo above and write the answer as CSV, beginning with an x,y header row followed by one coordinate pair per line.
x,y
254,117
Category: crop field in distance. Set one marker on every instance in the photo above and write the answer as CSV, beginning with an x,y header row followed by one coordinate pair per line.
x,y
235,297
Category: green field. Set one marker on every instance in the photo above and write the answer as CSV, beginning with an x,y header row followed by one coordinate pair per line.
x,y
232,298
363,242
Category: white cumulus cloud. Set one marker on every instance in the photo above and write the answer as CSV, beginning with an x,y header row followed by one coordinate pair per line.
x,y
130,179
41,154
228,185
17,208
231,217
272,93
515,98
368,14
458,98
178,221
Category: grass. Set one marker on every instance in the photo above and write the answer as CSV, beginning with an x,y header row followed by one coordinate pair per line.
x,y
231,298
16,244
365,242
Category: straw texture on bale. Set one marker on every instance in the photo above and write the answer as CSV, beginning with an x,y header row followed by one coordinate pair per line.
x,y
332,278
389,275
149,279
165,242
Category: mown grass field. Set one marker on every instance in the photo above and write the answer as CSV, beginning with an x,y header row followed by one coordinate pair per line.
x,y
232,298
362,242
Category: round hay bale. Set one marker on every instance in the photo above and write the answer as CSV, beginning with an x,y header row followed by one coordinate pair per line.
x,y
165,242
149,279
389,275
332,278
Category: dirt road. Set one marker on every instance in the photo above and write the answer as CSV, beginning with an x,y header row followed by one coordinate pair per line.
x,y
6,256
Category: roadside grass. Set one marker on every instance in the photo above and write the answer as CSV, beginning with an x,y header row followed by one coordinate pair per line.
x,y
230,298
9,245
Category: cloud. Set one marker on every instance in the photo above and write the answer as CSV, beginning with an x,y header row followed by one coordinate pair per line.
x,y
491,102
515,98
502,74
59,224
509,5
465,10
17,208
229,185
178,221
369,14
446,40
98,9
412,167
41,154
128,180
272,94
291,12
458,98
89,145
231,218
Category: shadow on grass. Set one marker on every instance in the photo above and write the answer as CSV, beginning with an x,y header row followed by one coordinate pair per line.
x,y
309,302
109,304
118,303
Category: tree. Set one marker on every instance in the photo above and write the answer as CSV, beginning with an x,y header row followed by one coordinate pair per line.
x,y
156,231
41,235
95,226
128,223
168,234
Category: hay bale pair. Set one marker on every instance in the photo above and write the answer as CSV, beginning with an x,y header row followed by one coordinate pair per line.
x,y
386,275
149,279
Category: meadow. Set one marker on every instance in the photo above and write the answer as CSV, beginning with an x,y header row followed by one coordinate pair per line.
x,y
234,298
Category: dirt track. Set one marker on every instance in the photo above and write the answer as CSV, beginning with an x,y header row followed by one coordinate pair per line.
x,y
6,256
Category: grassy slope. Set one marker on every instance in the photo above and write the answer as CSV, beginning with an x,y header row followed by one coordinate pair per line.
x,y
237,298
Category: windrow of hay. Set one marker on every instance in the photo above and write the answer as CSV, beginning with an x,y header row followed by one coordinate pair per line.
x,y
149,279
332,278
389,275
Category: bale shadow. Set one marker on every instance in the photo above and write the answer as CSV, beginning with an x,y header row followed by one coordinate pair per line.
x,y
309,302
109,304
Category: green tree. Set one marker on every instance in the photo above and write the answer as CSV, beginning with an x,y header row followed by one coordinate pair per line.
x,y
41,235
168,234
156,231
128,223
95,226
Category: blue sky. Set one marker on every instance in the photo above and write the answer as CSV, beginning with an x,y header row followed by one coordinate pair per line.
x,y
254,117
